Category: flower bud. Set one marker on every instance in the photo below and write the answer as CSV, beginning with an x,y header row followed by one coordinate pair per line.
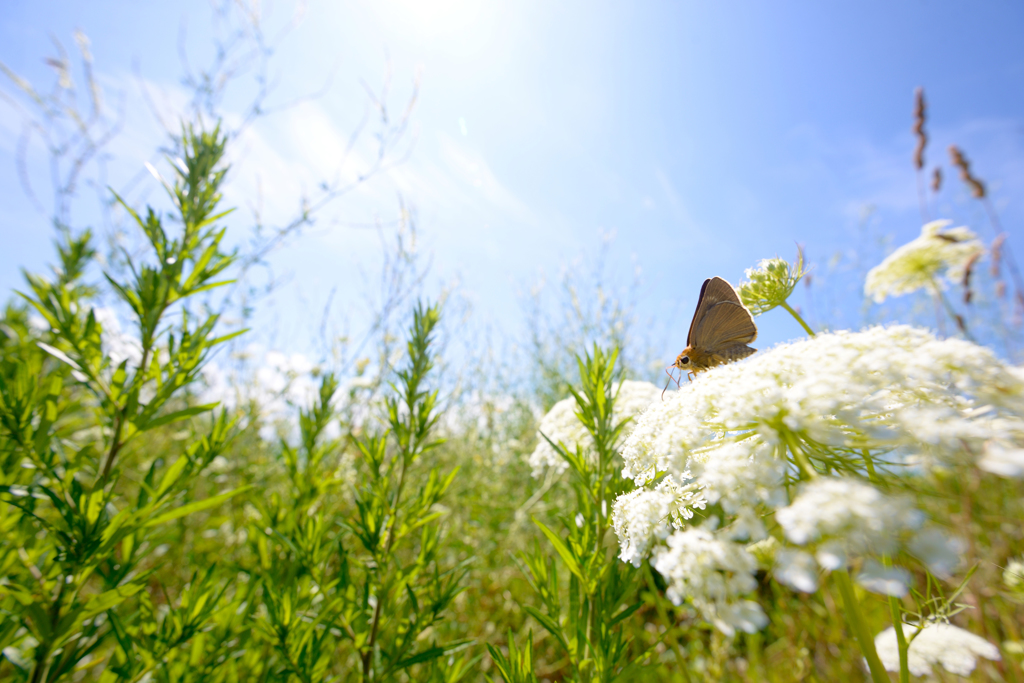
x,y
770,284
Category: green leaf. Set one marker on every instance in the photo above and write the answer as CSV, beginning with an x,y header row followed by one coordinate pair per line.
x,y
104,601
212,285
549,624
58,354
175,416
563,550
171,475
179,512
625,613
420,657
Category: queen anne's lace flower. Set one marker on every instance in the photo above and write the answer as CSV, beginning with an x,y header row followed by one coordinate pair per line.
x,y
1006,462
895,393
955,649
561,425
740,475
1013,575
859,514
714,575
642,515
796,568
881,388
919,263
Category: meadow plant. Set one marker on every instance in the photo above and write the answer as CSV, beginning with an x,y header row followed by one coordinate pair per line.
x,y
562,424
353,588
586,617
86,497
816,443
770,284
150,535
954,649
337,572
936,257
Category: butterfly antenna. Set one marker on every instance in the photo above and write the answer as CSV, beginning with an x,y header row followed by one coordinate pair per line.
x,y
670,378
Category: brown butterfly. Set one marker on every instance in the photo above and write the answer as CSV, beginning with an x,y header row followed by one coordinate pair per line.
x,y
720,331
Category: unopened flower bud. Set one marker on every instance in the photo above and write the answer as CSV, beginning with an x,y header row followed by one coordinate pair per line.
x,y
770,284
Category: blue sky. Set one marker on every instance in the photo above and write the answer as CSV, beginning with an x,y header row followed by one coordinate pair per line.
x,y
704,136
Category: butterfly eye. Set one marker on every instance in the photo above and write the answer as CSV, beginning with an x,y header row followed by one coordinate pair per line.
x,y
684,360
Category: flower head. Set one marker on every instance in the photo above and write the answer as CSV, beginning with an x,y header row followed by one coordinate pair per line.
x,y
1013,575
955,649
919,264
743,434
641,516
894,390
713,574
850,510
770,284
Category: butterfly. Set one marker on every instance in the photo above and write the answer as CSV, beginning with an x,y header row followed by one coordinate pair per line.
x,y
720,331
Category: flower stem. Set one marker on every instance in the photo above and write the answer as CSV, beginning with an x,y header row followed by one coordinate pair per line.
x,y
870,465
807,328
901,639
897,625
860,629
802,461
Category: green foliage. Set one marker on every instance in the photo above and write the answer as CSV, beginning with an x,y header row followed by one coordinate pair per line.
x,y
351,586
145,536
79,524
585,617
517,667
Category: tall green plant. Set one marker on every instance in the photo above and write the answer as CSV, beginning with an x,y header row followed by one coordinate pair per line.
x,y
80,523
353,586
586,619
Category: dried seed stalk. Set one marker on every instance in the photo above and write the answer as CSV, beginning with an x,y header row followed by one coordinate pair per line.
x,y
960,161
922,137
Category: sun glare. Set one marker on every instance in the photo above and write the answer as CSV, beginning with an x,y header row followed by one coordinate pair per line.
x,y
445,19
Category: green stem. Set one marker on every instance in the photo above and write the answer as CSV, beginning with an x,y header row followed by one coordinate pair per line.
x,y
801,458
754,653
870,465
897,625
670,624
807,328
860,628
901,639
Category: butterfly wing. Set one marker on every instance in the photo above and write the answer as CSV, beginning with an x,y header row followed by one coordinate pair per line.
x,y
723,325
713,292
736,352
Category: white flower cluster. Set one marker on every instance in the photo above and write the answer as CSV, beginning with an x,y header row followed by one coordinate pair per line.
x,y
883,388
640,516
955,649
561,425
714,574
1002,460
271,380
1013,575
920,263
850,509
850,518
896,393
